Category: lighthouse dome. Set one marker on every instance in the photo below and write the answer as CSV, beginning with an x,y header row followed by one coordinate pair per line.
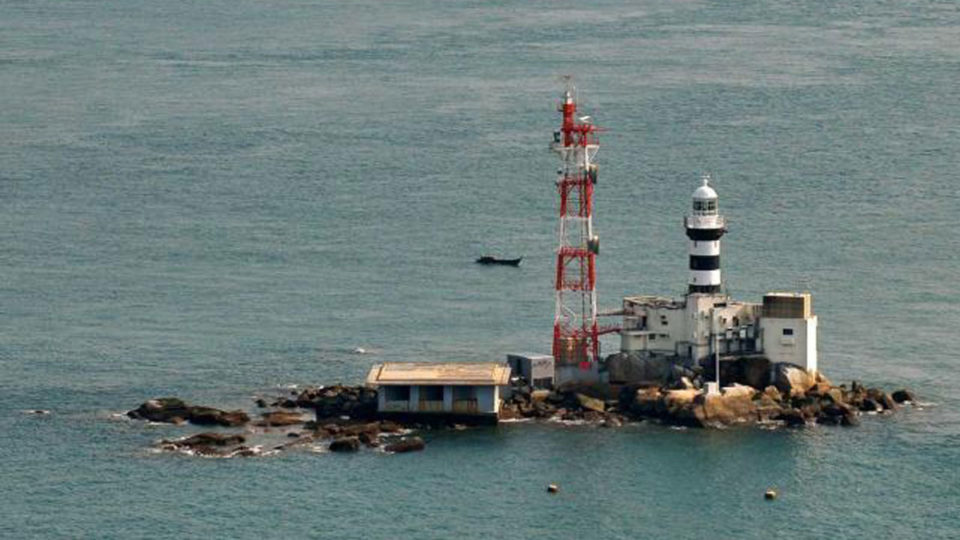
x,y
705,192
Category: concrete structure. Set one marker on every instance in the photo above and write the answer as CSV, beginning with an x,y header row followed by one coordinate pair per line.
x,y
789,329
536,369
706,324
462,389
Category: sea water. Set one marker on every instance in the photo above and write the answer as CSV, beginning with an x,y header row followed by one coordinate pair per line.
x,y
216,200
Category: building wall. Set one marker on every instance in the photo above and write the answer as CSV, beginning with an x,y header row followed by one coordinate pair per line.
x,y
799,348
686,328
488,400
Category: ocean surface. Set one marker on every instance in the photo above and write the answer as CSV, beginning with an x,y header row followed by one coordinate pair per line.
x,y
219,199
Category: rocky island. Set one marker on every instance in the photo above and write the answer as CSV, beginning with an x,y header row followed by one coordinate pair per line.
x,y
342,418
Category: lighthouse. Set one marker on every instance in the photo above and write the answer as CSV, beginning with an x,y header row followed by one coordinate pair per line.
x,y
705,226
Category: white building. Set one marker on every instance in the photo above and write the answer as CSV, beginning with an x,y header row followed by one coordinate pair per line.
x,y
463,389
706,323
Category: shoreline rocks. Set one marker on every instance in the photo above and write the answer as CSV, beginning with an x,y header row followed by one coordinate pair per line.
x,y
175,411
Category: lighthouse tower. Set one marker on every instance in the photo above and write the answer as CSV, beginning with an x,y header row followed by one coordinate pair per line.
x,y
704,227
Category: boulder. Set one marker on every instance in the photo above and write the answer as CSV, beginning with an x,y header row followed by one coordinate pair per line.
x,y
406,444
882,398
638,368
539,395
725,409
160,410
592,404
752,371
345,444
208,416
648,402
738,390
869,405
175,410
207,439
791,379
369,439
280,418
792,417
903,396
772,393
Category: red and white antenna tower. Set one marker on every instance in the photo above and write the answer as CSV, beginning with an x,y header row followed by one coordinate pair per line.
x,y
575,330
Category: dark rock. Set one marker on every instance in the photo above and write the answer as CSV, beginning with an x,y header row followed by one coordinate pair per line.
x,y
638,368
369,439
903,396
792,417
869,405
406,444
280,418
345,444
160,410
648,402
882,398
207,439
260,402
293,434
208,416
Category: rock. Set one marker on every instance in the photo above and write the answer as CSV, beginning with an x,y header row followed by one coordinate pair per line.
x,y
751,371
369,439
903,396
260,402
509,411
772,393
612,421
870,405
207,439
839,414
770,494
280,418
406,444
160,410
171,409
539,395
738,390
553,488
791,379
647,402
882,398
208,416
590,403
345,444
733,408
792,417
638,368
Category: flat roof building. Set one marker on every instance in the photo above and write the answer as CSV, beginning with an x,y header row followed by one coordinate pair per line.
x,y
450,389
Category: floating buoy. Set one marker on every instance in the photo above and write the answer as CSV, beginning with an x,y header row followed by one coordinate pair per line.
x,y
553,488
770,494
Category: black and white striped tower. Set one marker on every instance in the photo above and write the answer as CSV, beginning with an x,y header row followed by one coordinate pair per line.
x,y
704,229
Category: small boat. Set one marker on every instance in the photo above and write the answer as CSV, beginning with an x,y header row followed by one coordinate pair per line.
x,y
486,259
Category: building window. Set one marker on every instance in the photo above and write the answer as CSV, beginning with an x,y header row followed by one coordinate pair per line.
x,y
431,393
397,393
788,331
653,337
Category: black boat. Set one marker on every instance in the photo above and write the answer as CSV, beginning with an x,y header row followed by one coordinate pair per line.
x,y
486,259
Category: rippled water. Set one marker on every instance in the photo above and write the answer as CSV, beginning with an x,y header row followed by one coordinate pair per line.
x,y
216,199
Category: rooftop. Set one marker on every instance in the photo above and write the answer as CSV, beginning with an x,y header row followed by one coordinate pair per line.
x,y
432,373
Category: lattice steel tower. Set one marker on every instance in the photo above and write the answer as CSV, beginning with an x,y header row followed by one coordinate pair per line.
x,y
575,330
